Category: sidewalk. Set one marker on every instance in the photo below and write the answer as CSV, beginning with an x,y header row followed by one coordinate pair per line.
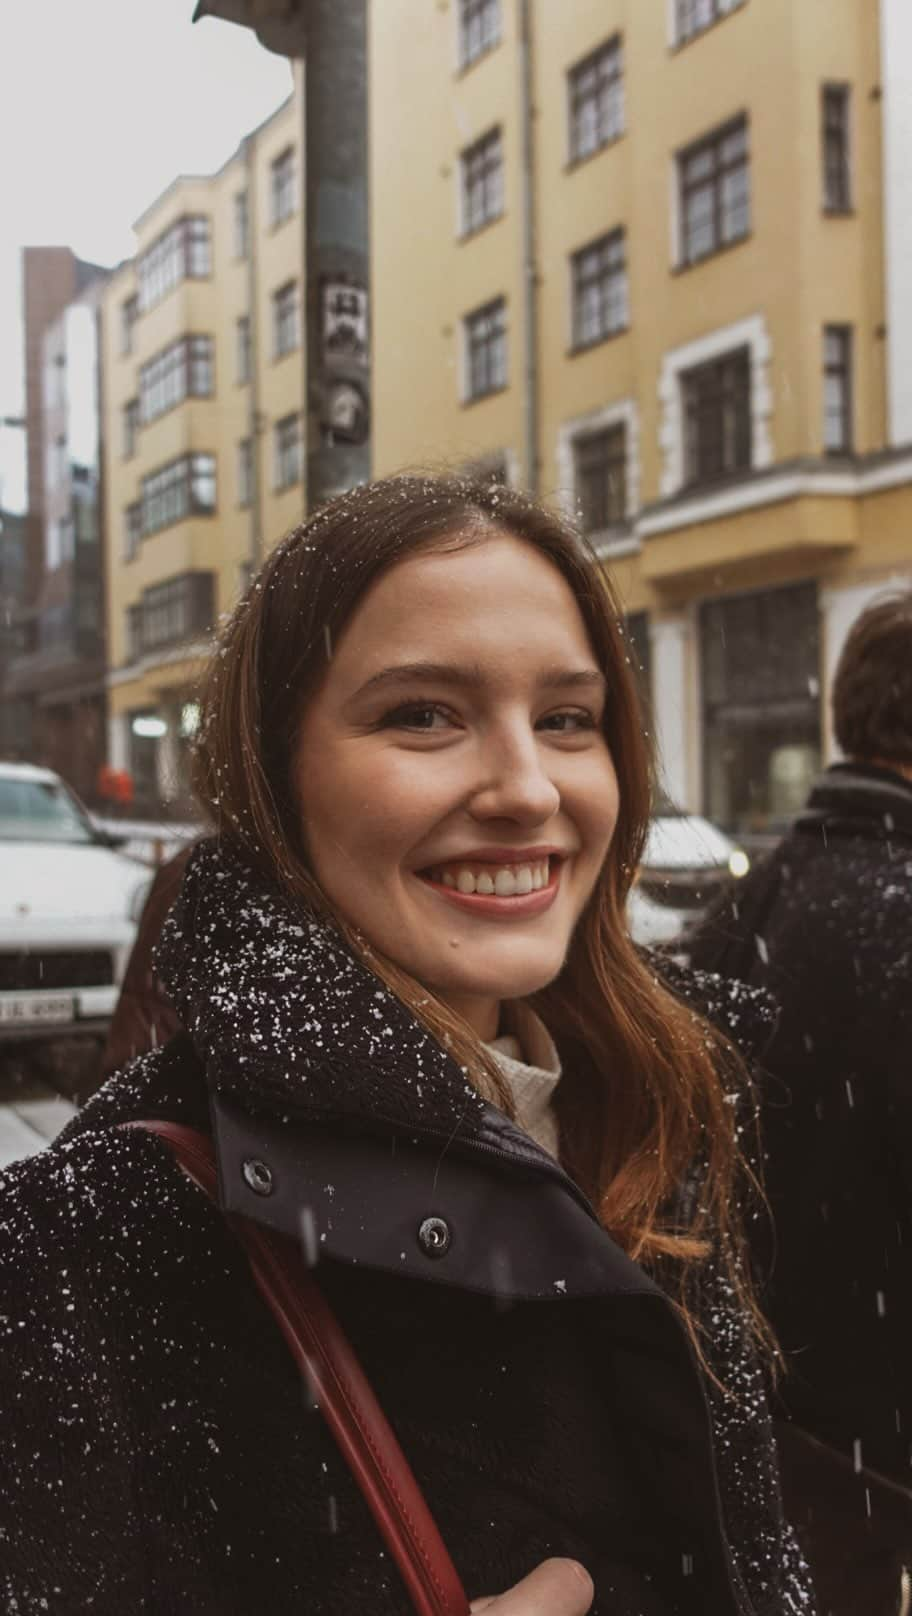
x,y
28,1124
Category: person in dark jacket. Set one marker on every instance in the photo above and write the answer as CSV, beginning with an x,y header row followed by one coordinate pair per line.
x,y
409,1001
825,923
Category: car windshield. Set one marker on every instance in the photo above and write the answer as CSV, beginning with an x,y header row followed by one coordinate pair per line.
x,y
41,811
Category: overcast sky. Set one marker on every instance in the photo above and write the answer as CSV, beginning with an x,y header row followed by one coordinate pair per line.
x,y
103,102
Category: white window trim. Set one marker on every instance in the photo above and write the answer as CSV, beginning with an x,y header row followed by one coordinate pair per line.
x,y
751,333
623,413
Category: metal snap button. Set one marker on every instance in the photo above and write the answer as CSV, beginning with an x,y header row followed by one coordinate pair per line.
x,y
258,1177
434,1237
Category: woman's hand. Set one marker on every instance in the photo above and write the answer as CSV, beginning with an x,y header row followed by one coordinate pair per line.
x,y
555,1588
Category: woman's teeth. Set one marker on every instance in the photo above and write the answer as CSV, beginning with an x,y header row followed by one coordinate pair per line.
x,y
491,881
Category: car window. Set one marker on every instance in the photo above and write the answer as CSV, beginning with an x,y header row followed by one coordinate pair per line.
x,y
41,811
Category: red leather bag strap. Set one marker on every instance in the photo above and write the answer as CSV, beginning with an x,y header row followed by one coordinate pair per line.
x,y
339,1386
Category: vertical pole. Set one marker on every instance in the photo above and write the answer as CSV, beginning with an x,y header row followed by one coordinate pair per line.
x,y
336,249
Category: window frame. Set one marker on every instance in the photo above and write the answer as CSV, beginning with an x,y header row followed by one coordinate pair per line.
x,y
605,466
283,187
288,439
286,319
172,491
182,252
842,371
472,14
240,224
132,529
842,128
481,172
172,376
606,273
734,430
719,10
606,63
244,469
130,422
129,314
710,146
479,347
243,350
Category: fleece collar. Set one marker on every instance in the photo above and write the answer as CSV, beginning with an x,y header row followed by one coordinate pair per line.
x,y
860,798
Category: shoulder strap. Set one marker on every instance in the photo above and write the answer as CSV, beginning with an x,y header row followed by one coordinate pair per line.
x,y
340,1388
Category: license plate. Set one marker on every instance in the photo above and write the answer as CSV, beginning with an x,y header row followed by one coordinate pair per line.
x,y
42,1009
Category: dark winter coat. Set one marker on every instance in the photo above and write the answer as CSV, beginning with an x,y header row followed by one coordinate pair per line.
x,y
157,1452
826,924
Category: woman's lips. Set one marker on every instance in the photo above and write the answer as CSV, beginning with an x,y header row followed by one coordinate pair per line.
x,y
495,903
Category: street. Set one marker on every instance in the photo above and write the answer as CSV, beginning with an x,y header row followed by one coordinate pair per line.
x,y
32,1113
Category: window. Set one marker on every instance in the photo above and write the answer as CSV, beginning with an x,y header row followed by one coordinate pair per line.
x,y
837,197
482,182
182,370
245,471
285,319
129,314
759,681
288,456
486,349
595,98
714,180
479,28
130,427
600,302
243,353
837,389
186,487
241,224
283,186
170,611
693,16
184,251
132,531
600,477
717,417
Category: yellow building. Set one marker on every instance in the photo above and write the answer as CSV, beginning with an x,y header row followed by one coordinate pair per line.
x,y
204,463
654,257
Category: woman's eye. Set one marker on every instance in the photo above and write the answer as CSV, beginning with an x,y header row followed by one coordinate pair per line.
x,y
570,722
416,715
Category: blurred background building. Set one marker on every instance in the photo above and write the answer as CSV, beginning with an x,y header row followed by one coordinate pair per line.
x,y
653,260
53,656
203,424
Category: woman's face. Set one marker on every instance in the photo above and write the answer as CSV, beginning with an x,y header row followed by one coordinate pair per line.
x,y
457,792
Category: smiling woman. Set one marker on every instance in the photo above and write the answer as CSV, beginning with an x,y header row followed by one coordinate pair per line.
x,y
414,1017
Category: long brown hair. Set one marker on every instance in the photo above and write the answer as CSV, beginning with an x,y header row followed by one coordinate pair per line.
x,y
646,1098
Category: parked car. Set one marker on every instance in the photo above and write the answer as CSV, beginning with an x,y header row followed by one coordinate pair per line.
x,y
69,904
686,864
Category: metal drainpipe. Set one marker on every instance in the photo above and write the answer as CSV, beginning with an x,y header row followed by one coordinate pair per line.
x,y
254,420
529,246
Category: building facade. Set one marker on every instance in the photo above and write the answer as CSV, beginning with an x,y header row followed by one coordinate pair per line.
x,y
653,260
204,367
53,692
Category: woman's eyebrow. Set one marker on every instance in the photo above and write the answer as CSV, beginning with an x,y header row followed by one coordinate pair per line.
x,y
471,676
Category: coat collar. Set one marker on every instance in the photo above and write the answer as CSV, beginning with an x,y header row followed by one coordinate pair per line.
x,y
287,1021
860,797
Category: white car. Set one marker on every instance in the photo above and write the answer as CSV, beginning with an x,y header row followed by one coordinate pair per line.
x,y
69,904
687,862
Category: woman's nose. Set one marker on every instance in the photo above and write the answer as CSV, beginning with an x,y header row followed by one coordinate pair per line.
x,y
514,782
